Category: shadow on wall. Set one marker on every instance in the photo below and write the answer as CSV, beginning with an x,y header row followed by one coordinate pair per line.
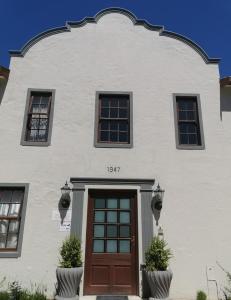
x,y
225,100
4,74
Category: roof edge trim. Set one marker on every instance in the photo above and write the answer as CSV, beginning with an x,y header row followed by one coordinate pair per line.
x,y
95,19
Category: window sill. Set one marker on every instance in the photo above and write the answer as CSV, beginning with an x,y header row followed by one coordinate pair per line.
x,y
38,144
10,254
190,147
108,145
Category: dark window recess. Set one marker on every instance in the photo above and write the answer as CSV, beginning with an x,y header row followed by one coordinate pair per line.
x,y
113,122
188,121
11,201
38,117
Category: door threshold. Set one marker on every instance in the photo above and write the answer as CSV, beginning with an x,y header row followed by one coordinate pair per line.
x,y
93,297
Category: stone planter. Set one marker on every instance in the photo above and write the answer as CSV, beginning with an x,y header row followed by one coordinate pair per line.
x,y
68,282
159,283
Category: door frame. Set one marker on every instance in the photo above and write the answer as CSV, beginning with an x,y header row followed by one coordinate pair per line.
x,y
132,194
144,190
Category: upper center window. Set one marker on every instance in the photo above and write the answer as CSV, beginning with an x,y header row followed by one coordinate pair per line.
x,y
113,120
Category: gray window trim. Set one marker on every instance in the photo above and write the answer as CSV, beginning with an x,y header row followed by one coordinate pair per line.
x,y
188,147
48,142
111,145
17,253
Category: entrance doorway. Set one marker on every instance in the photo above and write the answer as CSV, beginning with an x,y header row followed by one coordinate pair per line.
x,y
111,262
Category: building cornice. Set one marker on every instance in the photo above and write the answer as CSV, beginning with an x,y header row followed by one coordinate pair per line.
x,y
95,19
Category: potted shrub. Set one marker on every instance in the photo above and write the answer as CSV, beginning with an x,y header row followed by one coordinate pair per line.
x,y
158,275
70,271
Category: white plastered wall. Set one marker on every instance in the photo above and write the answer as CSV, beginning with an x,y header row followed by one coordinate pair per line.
x,y
115,55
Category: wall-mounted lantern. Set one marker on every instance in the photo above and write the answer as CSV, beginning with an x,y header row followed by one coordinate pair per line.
x,y
156,203
65,199
158,198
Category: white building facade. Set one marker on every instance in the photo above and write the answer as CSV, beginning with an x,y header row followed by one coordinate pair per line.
x,y
114,106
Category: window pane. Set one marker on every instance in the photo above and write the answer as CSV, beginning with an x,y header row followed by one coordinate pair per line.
x,y
113,136
5,196
43,123
183,139
183,128
124,231
17,196
112,217
191,115
123,136
125,203
98,246
182,115
105,113
124,246
4,209
123,113
193,139
99,203
112,203
104,136
2,240
14,226
104,102
114,125
12,240
114,103
98,230
99,216
42,134
114,113
111,246
123,126
104,125
111,231
3,226
123,102
14,210
192,128
124,217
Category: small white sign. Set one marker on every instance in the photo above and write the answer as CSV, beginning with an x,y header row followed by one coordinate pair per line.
x,y
56,215
66,226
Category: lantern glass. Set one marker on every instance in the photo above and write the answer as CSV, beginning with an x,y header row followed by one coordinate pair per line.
x,y
158,191
66,189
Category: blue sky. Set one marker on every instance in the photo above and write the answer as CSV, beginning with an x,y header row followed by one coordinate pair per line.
x,y
206,22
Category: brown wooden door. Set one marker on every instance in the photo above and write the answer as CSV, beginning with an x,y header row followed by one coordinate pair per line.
x,y
111,266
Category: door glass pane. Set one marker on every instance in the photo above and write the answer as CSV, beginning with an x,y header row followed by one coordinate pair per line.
x,y
98,230
99,216
14,209
112,246
4,209
2,240
112,203
112,217
124,231
98,246
111,231
125,203
99,203
124,246
3,226
14,226
124,217
12,241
